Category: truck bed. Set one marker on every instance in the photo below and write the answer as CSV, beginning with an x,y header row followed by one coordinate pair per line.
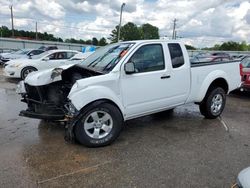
x,y
202,74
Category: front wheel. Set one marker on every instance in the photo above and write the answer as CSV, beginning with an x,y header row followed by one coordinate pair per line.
x,y
26,71
99,125
213,104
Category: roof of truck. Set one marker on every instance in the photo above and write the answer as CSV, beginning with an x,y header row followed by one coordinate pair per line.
x,y
152,40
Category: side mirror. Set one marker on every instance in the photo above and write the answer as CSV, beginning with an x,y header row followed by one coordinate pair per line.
x,y
129,68
46,59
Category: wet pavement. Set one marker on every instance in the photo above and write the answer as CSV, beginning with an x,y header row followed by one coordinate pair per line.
x,y
179,149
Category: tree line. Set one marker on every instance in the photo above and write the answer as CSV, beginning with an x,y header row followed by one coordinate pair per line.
x,y
129,31
31,35
231,46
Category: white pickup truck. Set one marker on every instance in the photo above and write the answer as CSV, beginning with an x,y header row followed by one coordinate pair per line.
x,y
123,81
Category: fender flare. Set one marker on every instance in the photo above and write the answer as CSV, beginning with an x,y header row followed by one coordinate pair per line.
x,y
84,97
211,77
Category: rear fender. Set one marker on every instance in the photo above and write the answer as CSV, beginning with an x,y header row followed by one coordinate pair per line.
x,y
208,81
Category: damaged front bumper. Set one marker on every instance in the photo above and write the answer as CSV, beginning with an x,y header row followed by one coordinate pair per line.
x,y
39,108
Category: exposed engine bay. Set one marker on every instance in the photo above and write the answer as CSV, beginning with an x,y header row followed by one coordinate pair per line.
x,y
48,101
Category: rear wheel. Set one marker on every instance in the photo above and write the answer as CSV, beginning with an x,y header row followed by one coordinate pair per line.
x,y
213,104
26,71
99,125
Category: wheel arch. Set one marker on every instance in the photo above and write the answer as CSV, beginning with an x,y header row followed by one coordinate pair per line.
x,y
218,82
25,67
96,94
100,101
216,78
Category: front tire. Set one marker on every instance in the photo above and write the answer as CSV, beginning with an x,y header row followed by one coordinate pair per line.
x,y
213,104
99,125
26,71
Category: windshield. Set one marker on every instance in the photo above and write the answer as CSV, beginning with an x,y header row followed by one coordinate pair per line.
x,y
246,62
21,52
105,58
40,55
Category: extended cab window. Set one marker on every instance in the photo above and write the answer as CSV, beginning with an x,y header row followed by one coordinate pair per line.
x,y
176,55
148,58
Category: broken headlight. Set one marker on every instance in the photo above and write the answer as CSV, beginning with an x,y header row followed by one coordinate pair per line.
x,y
56,72
72,111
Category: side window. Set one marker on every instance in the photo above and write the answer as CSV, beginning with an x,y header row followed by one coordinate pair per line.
x,y
148,58
52,56
62,55
70,54
176,55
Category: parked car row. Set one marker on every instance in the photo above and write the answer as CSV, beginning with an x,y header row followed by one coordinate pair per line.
x,y
23,53
210,57
20,54
245,73
20,68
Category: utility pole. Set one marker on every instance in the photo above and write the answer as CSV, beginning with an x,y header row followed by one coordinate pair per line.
x,y
119,29
12,21
174,32
36,32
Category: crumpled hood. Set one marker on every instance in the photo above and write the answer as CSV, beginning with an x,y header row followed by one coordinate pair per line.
x,y
43,77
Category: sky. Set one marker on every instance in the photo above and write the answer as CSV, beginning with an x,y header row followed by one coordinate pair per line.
x,y
199,22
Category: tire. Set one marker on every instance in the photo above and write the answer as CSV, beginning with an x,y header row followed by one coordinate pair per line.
x,y
213,104
26,71
99,125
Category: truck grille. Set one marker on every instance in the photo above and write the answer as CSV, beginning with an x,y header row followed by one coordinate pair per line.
x,y
32,92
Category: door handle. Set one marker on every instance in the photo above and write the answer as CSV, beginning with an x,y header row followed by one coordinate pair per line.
x,y
165,76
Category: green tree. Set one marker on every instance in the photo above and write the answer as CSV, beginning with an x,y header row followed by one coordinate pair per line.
x,y
94,41
102,42
243,46
114,34
149,31
189,47
88,42
130,32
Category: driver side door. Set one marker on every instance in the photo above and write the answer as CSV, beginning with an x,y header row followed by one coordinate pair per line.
x,y
147,89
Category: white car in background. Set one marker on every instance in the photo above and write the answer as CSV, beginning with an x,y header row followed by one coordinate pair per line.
x,y
20,54
20,68
81,56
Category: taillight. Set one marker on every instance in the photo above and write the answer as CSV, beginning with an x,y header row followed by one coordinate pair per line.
x,y
241,67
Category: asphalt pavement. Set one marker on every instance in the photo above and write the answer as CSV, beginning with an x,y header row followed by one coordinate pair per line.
x,y
179,149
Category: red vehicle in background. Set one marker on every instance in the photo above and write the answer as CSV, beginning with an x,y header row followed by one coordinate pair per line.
x,y
245,73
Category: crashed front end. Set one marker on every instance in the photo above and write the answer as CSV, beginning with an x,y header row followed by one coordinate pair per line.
x,y
43,102
46,92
